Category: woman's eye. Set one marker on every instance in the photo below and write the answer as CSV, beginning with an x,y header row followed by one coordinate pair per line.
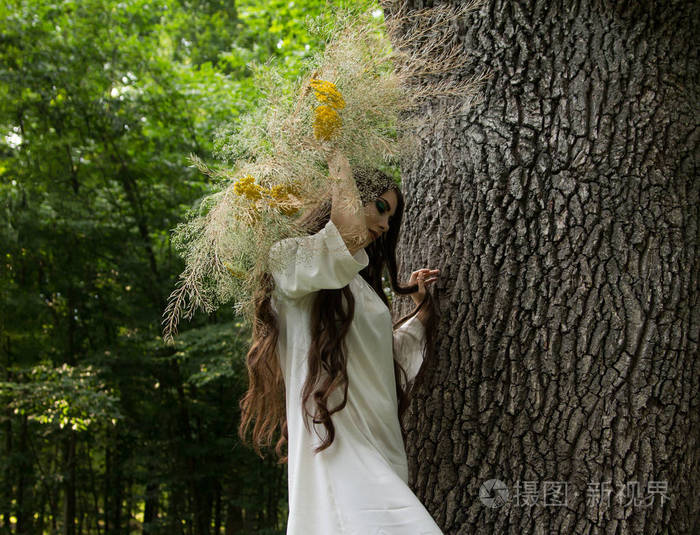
x,y
381,207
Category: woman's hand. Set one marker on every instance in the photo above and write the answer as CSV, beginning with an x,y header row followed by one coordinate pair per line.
x,y
424,278
338,165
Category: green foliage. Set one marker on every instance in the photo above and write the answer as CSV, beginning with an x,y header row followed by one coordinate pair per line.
x,y
101,103
64,396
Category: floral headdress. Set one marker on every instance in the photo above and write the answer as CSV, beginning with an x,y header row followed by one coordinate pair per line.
x,y
361,96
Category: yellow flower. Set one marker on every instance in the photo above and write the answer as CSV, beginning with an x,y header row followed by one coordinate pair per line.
x,y
327,123
277,197
327,93
280,198
282,191
235,272
246,187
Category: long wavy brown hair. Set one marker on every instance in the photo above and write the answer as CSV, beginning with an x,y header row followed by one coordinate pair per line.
x,y
264,402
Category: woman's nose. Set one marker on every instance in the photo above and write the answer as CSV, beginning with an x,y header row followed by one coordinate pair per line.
x,y
384,225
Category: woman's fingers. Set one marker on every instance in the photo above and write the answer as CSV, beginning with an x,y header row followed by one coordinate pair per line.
x,y
425,271
423,277
424,274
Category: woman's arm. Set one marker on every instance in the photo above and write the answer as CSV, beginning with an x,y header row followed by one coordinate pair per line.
x,y
306,264
347,212
410,338
330,258
409,346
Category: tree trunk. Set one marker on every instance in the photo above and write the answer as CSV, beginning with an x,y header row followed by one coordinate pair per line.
x,y
53,491
113,482
69,489
117,486
176,511
7,484
234,519
150,514
41,511
6,498
129,502
217,508
25,481
95,516
562,212
106,487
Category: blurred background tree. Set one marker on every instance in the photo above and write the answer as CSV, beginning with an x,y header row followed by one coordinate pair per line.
x,y
103,428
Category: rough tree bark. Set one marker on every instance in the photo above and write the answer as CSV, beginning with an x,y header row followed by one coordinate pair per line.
x,y
562,212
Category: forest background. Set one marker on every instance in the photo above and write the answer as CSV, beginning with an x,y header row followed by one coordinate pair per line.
x,y
103,428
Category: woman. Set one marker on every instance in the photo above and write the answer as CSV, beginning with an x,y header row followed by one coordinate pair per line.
x,y
322,347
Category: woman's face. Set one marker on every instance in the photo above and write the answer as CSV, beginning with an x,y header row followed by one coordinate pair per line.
x,y
377,214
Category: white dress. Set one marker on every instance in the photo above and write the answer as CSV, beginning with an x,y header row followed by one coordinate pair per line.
x,y
357,486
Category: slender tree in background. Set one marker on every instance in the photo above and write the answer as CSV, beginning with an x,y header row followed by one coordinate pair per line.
x,y
563,214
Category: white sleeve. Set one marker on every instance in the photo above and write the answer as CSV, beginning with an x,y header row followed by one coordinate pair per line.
x,y
300,266
409,341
